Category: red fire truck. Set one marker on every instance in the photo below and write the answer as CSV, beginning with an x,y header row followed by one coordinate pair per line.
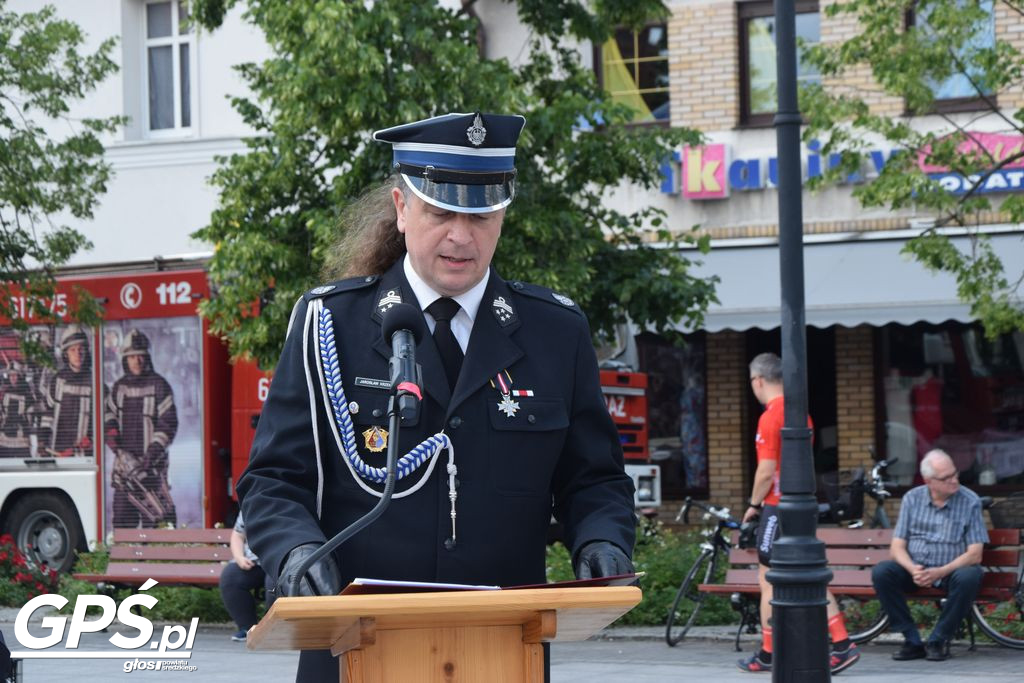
x,y
132,423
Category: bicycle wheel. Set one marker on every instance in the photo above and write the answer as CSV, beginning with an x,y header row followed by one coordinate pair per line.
x,y
865,619
688,600
1003,622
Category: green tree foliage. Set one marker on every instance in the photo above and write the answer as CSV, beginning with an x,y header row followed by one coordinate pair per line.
x,y
341,69
43,177
908,46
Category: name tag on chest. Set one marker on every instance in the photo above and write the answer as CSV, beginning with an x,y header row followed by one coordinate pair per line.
x,y
372,383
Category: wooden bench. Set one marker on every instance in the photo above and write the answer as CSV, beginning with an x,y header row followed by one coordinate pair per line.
x,y
184,557
851,555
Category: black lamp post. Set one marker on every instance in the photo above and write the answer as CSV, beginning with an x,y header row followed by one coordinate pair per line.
x,y
799,573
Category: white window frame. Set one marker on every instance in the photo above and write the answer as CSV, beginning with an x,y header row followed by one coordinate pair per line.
x,y
175,40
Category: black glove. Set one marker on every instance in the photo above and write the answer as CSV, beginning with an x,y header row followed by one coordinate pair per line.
x,y
323,578
601,558
155,457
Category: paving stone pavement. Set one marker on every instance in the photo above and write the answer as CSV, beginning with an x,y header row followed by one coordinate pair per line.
x,y
636,655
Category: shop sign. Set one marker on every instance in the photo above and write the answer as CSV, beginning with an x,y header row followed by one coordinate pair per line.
x,y
713,171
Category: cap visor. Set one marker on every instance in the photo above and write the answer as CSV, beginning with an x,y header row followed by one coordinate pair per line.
x,y
462,198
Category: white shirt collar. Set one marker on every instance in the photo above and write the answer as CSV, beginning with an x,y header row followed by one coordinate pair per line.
x,y
425,294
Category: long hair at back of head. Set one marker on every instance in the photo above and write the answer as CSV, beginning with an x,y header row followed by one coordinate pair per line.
x,y
369,242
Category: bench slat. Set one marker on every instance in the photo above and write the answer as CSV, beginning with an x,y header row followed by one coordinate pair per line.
x,y
136,574
869,557
172,536
196,553
191,557
1004,537
836,537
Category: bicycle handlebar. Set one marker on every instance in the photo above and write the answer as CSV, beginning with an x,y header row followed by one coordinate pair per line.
x,y
722,514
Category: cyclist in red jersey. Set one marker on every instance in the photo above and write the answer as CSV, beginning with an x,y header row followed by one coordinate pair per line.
x,y
766,383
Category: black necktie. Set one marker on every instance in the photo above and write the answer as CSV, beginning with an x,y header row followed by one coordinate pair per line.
x,y
443,310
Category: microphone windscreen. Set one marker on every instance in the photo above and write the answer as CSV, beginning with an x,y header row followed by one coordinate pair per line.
x,y
403,317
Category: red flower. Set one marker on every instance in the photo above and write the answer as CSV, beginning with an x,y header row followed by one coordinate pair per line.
x,y
40,587
3,556
6,538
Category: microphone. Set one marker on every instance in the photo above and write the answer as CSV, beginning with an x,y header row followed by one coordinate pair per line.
x,y
403,329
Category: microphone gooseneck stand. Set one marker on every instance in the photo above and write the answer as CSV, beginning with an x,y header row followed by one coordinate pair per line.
x,y
371,516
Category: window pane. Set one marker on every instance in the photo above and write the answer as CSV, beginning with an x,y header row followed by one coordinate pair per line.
x,y
186,88
158,20
959,85
808,32
624,39
161,88
676,411
761,68
184,18
653,42
635,72
952,388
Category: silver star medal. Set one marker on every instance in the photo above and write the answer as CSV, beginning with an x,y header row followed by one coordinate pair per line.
x,y
476,133
508,406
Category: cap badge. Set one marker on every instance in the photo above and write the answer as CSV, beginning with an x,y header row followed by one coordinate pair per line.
x,y
476,133
376,439
502,309
388,300
562,299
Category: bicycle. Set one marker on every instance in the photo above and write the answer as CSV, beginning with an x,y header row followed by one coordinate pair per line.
x,y
863,623
1003,620
849,507
689,599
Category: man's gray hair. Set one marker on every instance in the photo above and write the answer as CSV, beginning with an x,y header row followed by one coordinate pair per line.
x,y
767,366
930,459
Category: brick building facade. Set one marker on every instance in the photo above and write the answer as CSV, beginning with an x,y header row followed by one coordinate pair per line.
x,y
877,354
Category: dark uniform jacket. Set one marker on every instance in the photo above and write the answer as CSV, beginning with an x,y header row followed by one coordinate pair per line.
x,y
66,426
560,448
141,409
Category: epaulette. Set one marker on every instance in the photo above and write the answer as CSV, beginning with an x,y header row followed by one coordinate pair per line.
x,y
544,294
340,286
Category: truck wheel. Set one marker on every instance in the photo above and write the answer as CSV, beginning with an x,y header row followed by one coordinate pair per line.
x,y
47,529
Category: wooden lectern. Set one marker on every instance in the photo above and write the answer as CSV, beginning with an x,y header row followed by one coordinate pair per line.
x,y
487,635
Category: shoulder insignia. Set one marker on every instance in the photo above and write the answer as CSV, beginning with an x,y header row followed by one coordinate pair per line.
x,y
545,294
340,286
389,298
503,311
562,299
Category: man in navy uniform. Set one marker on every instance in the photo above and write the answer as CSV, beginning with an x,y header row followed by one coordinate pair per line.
x,y
510,383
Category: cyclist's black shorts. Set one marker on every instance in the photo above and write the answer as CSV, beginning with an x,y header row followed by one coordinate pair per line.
x,y
767,532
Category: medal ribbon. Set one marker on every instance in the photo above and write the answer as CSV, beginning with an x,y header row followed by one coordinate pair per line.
x,y
503,383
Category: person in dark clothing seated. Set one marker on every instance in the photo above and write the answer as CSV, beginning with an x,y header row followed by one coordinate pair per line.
x,y
240,578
